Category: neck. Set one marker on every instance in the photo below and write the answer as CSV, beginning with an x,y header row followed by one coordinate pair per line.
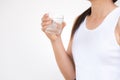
x,y
101,7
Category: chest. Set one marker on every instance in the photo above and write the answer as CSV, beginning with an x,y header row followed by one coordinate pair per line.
x,y
95,45
92,24
103,37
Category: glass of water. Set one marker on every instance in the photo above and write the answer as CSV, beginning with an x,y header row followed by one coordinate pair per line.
x,y
56,26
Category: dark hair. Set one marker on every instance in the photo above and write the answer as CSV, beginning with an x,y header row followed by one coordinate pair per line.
x,y
80,19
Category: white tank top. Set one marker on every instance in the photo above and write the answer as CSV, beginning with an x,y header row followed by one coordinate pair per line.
x,y
96,53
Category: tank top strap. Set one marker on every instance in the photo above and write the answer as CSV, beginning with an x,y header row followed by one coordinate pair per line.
x,y
113,18
109,27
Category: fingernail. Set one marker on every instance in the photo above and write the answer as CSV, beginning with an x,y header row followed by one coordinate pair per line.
x,y
47,14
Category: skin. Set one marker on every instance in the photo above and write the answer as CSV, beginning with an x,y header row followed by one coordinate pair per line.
x,y
100,9
64,57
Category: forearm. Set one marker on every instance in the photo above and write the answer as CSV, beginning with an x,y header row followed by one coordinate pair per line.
x,y
63,60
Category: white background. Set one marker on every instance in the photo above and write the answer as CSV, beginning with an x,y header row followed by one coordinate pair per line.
x,y
25,51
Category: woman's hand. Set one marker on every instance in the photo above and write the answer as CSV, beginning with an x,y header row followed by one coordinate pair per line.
x,y
46,20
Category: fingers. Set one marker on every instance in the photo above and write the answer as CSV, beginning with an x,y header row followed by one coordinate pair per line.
x,y
64,24
43,28
46,23
46,20
45,17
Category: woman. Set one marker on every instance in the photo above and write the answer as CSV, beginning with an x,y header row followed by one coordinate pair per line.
x,y
94,49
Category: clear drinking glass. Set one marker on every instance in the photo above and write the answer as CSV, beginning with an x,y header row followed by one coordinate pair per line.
x,y
56,26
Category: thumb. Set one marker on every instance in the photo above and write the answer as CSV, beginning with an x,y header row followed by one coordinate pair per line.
x,y
63,24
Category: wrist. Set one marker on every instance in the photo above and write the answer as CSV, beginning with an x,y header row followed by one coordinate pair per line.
x,y
55,39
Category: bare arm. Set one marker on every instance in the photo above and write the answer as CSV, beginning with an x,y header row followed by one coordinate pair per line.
x,y
63,59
